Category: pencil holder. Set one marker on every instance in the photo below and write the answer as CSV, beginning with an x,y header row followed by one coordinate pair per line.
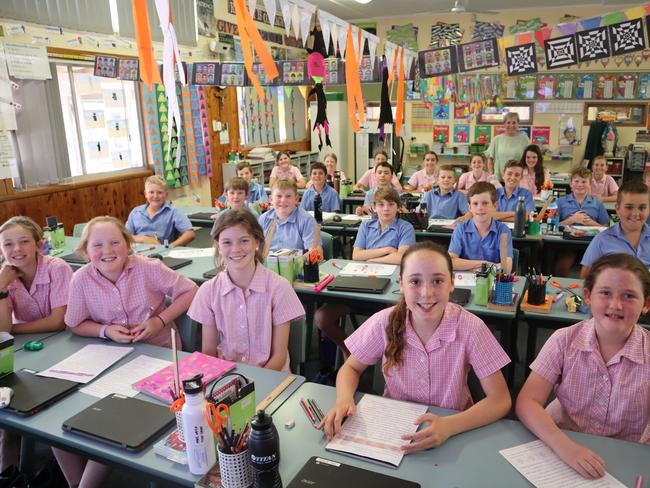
x,y
235,469
503,295
310,272
536,292
534,228
482,289
179,426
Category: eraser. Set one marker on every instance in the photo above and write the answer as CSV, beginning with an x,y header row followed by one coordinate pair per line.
x,y
289,424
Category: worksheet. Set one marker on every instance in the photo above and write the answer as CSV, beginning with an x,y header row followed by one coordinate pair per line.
x,y
87,363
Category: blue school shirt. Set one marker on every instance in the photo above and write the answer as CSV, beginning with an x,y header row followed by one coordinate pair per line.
x,y
451,205
331,201
297,232
223,211
370,195
466,242
256,192
168,223
613,241
505,204
567,206
398,233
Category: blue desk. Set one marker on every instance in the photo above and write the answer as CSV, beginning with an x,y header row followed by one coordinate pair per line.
x,y
46,425
470,459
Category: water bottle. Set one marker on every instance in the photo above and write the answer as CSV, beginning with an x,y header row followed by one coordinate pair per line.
x,y
60,236
264,445
318,208
337,181
520,218
199,439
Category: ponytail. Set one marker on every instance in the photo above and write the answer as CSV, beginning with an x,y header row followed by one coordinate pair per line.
x,y
395,332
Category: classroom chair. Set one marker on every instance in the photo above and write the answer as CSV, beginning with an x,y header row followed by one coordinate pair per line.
x,y
298,345
328,245
188,330
515,260
78,229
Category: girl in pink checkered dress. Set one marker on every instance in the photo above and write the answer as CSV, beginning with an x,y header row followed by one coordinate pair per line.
x,y
427,346
598,369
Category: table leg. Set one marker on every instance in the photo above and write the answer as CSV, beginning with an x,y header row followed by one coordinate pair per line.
x,y
531,343
26,462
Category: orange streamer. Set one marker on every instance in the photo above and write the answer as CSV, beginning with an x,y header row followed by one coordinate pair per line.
x,y
353,84
248,33
399,113
148,68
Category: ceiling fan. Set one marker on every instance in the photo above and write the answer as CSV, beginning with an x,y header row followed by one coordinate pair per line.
x,y
460,8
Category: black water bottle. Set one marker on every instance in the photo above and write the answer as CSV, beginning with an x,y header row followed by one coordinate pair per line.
x,y
264,445
520,218
318,208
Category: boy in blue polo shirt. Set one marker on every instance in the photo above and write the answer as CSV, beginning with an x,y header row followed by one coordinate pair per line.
x,y
444,202
508,195
631,235
293,227
236,198
157,222
478,240
256,192
318,178
381,240
580,207
384,175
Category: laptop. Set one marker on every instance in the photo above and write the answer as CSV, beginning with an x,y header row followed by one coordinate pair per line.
x,y
208,275
201,215
460,296
74,258
34,393
172,263
324,473
342,223
124,422
440,228
359,284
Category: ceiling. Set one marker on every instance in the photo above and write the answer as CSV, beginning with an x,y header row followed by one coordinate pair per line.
x,y
351,10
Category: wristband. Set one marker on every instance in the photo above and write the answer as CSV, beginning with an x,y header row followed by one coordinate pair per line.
x,y
102,332
163,322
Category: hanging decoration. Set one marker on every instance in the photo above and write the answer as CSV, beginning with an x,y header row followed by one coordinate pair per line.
x,y
486,30
443,34
521,60
148,67
316,72
385,110
153,127
297,14
356,110
593,44
627,37
560,52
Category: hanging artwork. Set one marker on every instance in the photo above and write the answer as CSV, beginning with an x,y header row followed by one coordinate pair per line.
x,y
540,135
421,120
205,74
546,87
334,75
644,86
627,37
260,72
569,132
404,35
436,62
521,60
486,30
586,86
461,110
293,72
441,111
527,87
625,86
368,70
593,44
482,134
443,34
531,25
232,74
564,86
441,133
153,127
461,133
478,55
560,52
106,66
605,85
128,69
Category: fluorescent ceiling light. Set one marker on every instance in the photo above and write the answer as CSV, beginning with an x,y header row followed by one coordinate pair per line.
x,y
363,1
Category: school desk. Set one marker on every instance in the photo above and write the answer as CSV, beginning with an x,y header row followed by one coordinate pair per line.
x,y
45,426
21,339
470,459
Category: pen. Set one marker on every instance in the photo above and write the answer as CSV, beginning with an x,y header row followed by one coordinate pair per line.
x,y
639,481
324,283
308,412
146,317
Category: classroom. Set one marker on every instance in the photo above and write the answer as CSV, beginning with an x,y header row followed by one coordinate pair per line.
x,y
312,242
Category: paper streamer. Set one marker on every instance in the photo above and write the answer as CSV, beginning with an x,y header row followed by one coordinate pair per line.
x,y
399,115
206,132
148,68
353,84
190,141
153,127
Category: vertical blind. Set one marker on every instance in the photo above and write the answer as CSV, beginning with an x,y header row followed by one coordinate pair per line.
x,y
183,14
85,15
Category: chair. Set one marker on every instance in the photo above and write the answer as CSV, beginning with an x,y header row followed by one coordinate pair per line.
x,y
515,260
78,229
188,330
298,345
328,245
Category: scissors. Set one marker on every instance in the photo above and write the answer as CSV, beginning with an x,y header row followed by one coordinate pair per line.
x,y
214,414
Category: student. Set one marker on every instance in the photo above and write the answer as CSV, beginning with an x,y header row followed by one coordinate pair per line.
x,y
284,170
330,160
631,235
246,310
120,297
646,178
367,180
579,207
598,369
318,185
256,191
535,174
33,296
427,346
478,240
156,221
427,176
477,173
236,197
383,239
384,174
603,187
508,195
293,227
444,202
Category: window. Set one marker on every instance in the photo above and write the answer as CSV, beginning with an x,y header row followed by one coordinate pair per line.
x,y
496,115
101,120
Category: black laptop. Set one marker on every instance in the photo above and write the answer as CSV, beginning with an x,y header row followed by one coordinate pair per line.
x,y
201,215
172,263
74,258
460,296
440,228
324,473
34,393
359,284
208,275
125,422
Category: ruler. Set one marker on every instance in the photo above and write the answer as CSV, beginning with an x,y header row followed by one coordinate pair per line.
x,y
275,393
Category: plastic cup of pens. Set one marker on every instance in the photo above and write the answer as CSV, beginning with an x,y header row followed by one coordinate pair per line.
x,y
234,462
503,289
310,267
536,290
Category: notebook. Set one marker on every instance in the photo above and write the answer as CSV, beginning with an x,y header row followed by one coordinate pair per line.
x,y
157,385
33,393
322,473
359,284
125,422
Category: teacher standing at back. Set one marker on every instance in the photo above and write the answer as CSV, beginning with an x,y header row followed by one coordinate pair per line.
x,y
506,146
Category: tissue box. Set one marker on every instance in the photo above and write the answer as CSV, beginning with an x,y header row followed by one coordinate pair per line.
x,y
6,353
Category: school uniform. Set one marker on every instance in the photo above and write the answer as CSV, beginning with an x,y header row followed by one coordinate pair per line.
x,y
509,204
434,373
331,201
223,212
420,179
296,232
168,223
48,290
292,173
451,205
369,198
567,206
591,396
613,241
467,243
398,233
528,180
245,319
256,193
604,188
368,179
467,179
144,283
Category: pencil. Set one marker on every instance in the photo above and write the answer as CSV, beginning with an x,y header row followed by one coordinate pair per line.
x,y
308,412
177,381
639,481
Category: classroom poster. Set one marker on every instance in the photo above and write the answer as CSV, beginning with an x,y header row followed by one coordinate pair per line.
x,y
441,133
569,131
421,117
113,98
525,130
94,119
441,111
540,135
461,133
97,150
128,69
482,134
461,110
117,128
8,168
106,66
7,111
546,87
27,62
